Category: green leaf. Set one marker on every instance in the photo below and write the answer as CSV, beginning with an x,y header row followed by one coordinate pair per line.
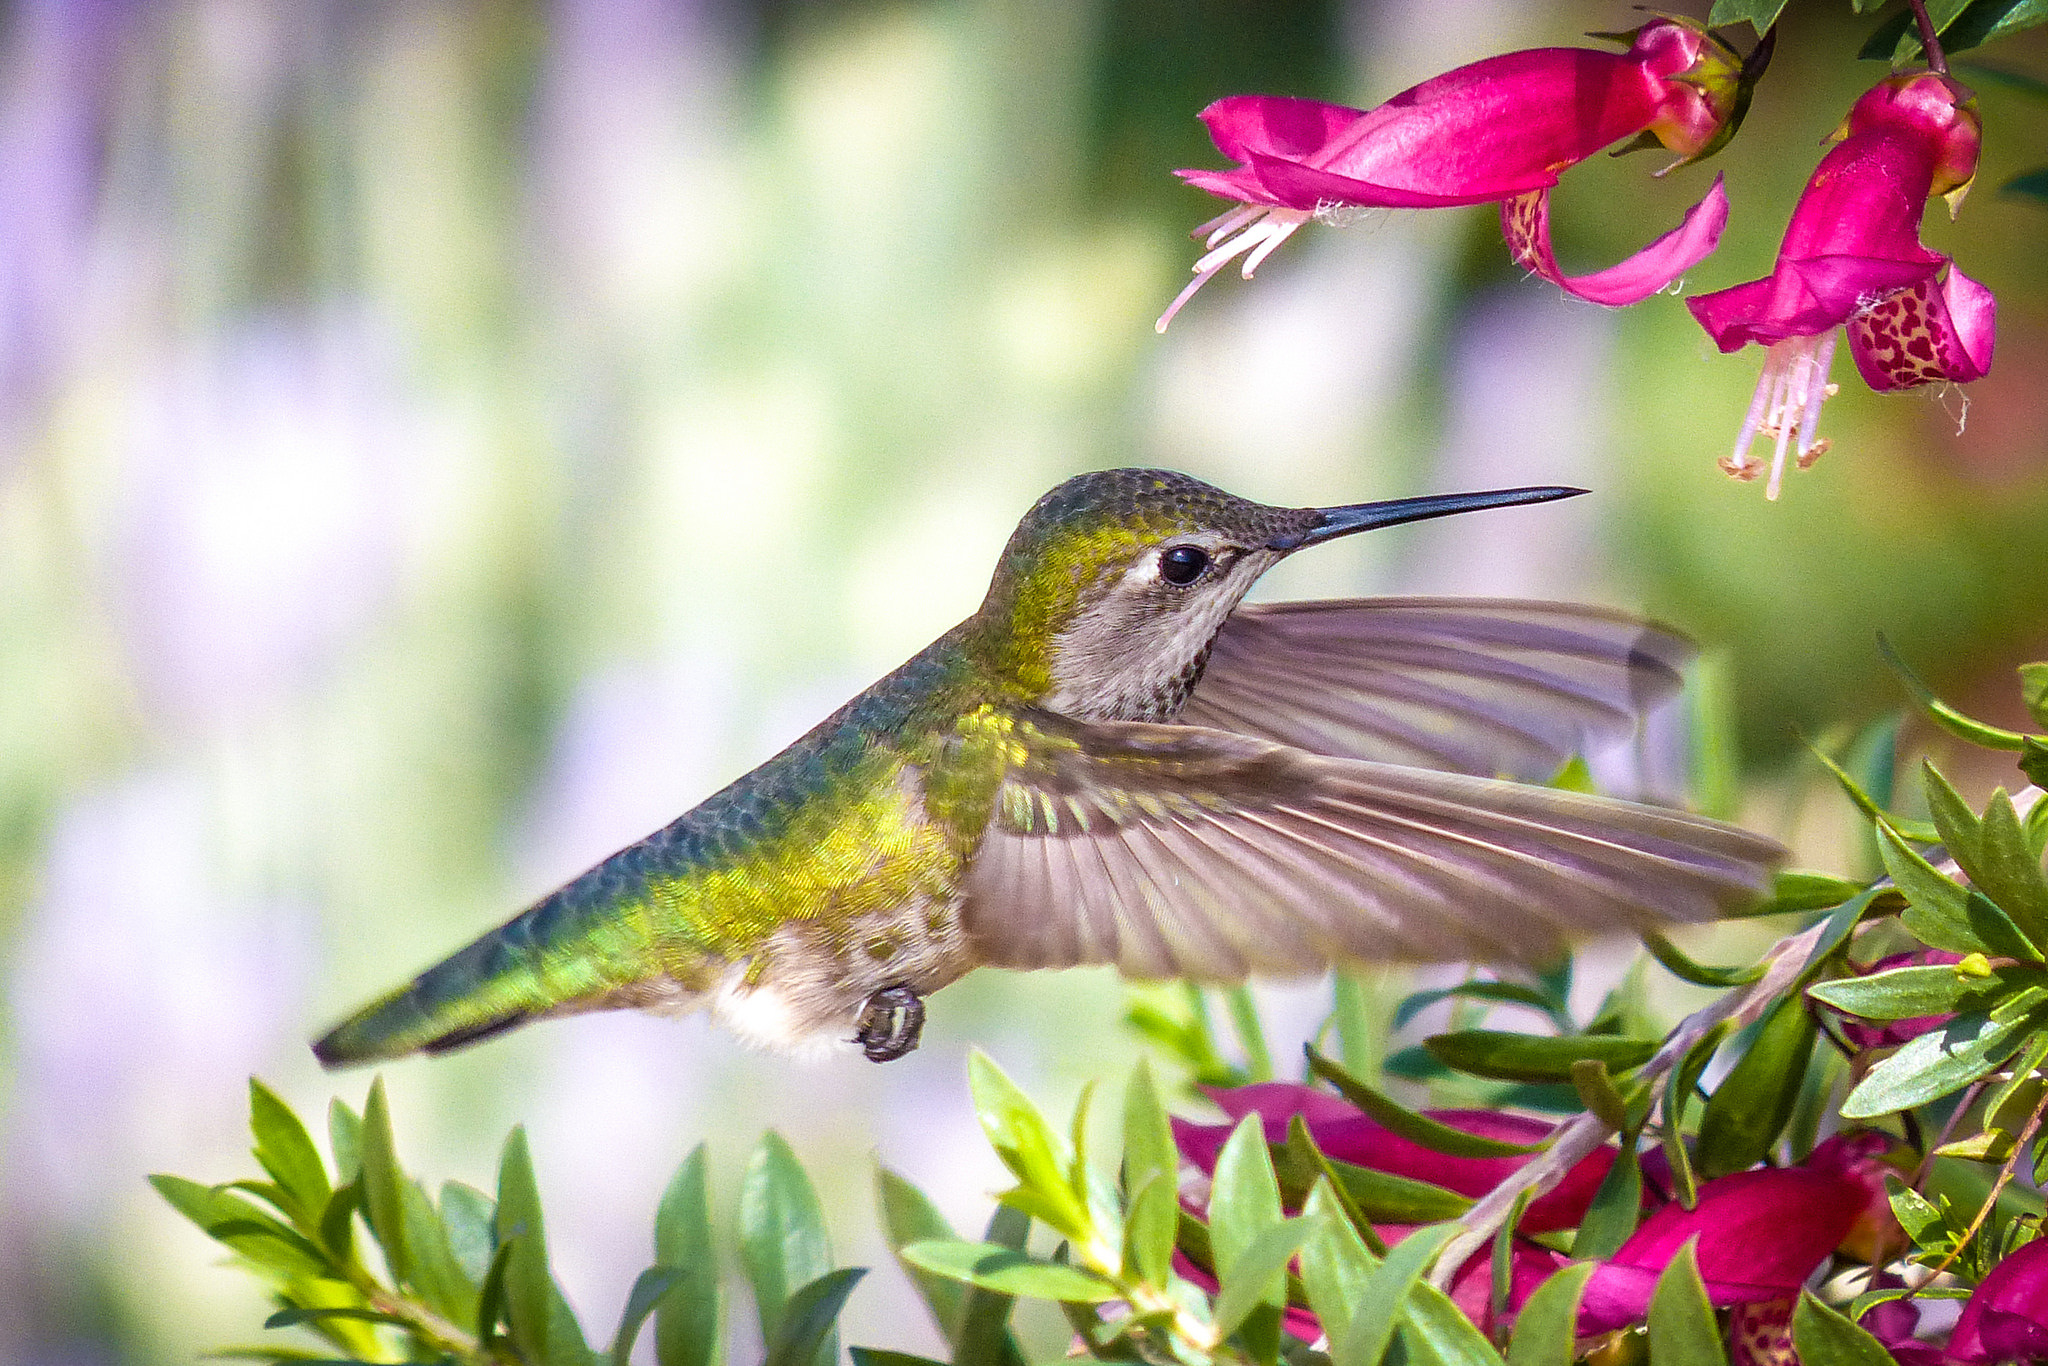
x,y
1036,1155
1942,913
1993,852
251,1232
344,1137
1442,1332
1009,1271
1244,1018
1546,1331
1868,804
1941,713
490,1300
295,1315
1532,1057
1616,1206
2034,754
1748,1110
1151,1171
985,1338
1685,969
876,1356
783,1243
286,1151
2033,677
1597,1091
1416,1128
1988,20
648,1288
1379,1197
1303,1169
540,1327
1244,1204
1386,1295
1258,1274
1935,989
1758,14
337,1226
909,1217
1360,1039
1334,1261
1945,1059
1506,993
1799,890
1682,1327
383,1205
689,1320
437,1275
807,1330
1679,1085
1823,1337
466,1213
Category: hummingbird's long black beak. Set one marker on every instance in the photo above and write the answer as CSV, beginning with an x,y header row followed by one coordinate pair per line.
x,y
1342,521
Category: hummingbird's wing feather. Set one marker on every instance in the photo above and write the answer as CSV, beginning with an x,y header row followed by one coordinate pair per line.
x,y
1464,684
1173,850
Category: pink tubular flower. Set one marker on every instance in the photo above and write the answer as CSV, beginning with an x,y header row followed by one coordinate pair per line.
x,y
1497,131
1852,257
1750,1251
1345,1135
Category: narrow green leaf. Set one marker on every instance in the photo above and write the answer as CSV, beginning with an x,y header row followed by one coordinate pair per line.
x,y
1360,1038
1748,1110
1597,1090
1385,1198
1505,993
466,1214
293,1316
1941,713
1682,1327
1258,1274
1616,1206
1417,1128
1546,1331
648,1288
1685,969
1036,1155
1799,890
437,1275
1944,1060
2033,754
337,1226
345,1138
1992,851
1868,804
689,1320
1303,1168
1244,1019
1532,1057
985,1338
783,1243
1934,989
286,1151
1937,910
1988,20
1386,1294
519,1225
1151,1170
1334,1261
490,1300
877,1356
2022,1086
383,1205
1443,1332
807,1332
1824,1337
1244,1204
909,1217
250,1231
1009,1271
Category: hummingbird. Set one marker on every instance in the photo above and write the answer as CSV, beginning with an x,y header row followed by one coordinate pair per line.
x,y
1114,761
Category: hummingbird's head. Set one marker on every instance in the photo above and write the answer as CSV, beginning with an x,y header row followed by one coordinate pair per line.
x,y
1111,589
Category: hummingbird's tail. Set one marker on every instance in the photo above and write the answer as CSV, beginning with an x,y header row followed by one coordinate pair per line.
x,y
563,954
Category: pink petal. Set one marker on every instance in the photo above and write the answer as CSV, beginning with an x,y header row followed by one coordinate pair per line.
x,y
1926,334
1802,298
2007,1316
1525,222
1749,1249
1279,1101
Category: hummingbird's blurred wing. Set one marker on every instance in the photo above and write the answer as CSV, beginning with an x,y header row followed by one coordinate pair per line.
x,y
1170,850
1469,685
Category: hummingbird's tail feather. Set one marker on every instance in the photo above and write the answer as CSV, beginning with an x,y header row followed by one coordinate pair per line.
x,y
572,951
1180,851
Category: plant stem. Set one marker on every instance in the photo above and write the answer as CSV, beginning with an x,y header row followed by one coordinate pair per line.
x,y
1581,1135
1929,41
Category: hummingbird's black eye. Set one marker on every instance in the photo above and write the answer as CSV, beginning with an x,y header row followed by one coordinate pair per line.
x,y
1183,564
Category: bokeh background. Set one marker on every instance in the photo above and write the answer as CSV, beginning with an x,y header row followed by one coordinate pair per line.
x,y
440,442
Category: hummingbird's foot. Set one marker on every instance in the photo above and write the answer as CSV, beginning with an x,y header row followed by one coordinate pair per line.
x,y
890,1023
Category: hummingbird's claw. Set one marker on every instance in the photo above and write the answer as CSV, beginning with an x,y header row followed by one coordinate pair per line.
x,y
890,1023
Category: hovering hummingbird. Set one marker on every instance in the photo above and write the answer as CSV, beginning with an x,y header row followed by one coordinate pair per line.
x,y
1113,762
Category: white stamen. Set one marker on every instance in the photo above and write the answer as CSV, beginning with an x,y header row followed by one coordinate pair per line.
x,y
1789,394
1251,231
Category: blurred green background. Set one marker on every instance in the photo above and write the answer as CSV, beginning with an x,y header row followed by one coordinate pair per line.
x,y
440,442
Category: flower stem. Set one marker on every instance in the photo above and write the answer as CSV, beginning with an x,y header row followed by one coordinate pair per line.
x,y
1929,42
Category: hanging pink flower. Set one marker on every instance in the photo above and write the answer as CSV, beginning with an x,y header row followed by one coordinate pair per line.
x,y
1852,257
1497,131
